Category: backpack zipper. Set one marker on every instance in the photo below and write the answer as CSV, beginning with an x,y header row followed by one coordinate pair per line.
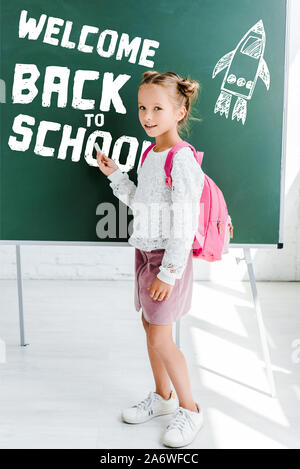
x,y
219,222
138,287
208,218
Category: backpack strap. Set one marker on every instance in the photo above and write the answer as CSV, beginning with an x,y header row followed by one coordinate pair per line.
x,y
146,152
169,160
200,156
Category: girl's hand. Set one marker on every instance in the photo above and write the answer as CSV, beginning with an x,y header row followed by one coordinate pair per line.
x,y
106,165
160,290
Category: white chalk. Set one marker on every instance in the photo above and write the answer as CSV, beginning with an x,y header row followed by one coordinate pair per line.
x,y
96,146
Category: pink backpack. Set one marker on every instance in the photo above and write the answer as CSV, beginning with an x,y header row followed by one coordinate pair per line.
x,y
215,228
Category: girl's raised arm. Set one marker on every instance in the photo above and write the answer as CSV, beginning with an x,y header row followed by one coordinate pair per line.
x,y
122,187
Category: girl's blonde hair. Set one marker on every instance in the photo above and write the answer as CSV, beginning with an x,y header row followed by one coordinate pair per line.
x,y
182,92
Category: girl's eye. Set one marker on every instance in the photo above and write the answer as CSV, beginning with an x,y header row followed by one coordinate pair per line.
x,y
154,108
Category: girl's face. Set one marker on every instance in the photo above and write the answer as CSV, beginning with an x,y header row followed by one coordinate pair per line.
x,y
157,110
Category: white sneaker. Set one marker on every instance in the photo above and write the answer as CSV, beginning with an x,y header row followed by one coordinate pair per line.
x,y
150,407
183,428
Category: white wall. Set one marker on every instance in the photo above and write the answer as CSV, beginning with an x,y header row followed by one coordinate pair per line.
x,y
87,262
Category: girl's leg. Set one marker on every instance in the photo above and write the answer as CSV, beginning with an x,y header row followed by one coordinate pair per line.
x,y
161,377
161,340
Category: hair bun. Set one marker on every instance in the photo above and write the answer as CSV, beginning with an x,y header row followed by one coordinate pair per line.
x,y
188,87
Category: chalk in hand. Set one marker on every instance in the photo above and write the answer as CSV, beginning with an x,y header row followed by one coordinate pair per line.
x,y
97,148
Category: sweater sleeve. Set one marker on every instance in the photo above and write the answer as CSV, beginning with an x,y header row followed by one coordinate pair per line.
x,y
187,185
122,187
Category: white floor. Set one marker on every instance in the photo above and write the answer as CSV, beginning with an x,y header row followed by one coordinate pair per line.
x,y
87,359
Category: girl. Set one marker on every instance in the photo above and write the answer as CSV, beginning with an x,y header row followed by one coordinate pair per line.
x,y
163,262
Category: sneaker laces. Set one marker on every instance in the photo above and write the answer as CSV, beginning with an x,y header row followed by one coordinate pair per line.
x,y
147,402
180,419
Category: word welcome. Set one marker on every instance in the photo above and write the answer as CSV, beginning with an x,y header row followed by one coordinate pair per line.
x,y
57,32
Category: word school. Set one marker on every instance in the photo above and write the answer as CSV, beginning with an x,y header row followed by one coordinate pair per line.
x,y
22,127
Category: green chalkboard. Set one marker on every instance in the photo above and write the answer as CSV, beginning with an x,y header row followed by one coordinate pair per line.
x,y
236,49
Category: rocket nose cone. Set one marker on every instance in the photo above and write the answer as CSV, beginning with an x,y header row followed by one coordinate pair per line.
x,y
259,27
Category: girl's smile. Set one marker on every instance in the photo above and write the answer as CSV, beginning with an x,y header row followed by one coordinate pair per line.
x,y
149,127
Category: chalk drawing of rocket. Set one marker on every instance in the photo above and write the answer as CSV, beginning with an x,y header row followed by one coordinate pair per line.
x,y
244,65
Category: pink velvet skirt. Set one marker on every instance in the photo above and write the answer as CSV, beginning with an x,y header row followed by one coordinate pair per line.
x,y
179,302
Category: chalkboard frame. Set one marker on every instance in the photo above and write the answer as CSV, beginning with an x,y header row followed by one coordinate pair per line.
x,y
280,244
284,124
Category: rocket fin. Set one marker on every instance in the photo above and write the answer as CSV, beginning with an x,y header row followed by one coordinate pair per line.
x,y
223,103
264,73
223,63
240,110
